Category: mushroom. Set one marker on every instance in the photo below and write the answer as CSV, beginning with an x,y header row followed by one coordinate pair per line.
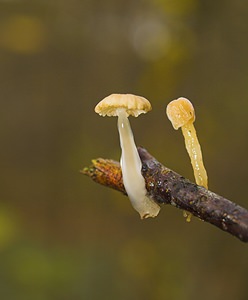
x,y
181,114
123,105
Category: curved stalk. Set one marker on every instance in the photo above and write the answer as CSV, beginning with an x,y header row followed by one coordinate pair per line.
x,y
131,166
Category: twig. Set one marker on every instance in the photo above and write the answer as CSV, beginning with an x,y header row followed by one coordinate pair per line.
x,y
167,187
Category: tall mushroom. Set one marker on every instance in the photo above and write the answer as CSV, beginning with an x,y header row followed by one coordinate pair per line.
x,y
123,105
181,114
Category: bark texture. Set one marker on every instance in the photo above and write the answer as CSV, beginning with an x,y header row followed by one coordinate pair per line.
x,y
167,187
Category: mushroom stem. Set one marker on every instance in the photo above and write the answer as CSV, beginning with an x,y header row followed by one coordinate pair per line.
x,y
129,150
131,166
194,150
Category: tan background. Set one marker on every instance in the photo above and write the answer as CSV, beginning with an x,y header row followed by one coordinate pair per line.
x,y
61,235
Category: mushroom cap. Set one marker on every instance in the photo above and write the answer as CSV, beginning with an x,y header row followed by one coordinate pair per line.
x,y
180,112
133,105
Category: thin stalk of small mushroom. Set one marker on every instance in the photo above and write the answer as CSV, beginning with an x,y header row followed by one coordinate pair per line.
x,y
194,150
131,166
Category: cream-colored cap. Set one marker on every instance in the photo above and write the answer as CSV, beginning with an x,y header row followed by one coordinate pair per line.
x,y
180,112
134,105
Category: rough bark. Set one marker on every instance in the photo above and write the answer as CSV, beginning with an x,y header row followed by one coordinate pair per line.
x,y
167,187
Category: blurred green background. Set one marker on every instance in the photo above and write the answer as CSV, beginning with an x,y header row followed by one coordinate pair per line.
x,y
61,235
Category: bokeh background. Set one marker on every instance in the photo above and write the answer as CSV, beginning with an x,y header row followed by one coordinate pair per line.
x,y
61,235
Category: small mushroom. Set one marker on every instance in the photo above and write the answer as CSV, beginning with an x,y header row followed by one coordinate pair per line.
x,y
181,114
123,105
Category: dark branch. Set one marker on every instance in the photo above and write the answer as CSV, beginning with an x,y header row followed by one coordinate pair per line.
x,y
167,187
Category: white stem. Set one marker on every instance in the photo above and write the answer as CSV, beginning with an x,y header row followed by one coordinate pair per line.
x,y
131,165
